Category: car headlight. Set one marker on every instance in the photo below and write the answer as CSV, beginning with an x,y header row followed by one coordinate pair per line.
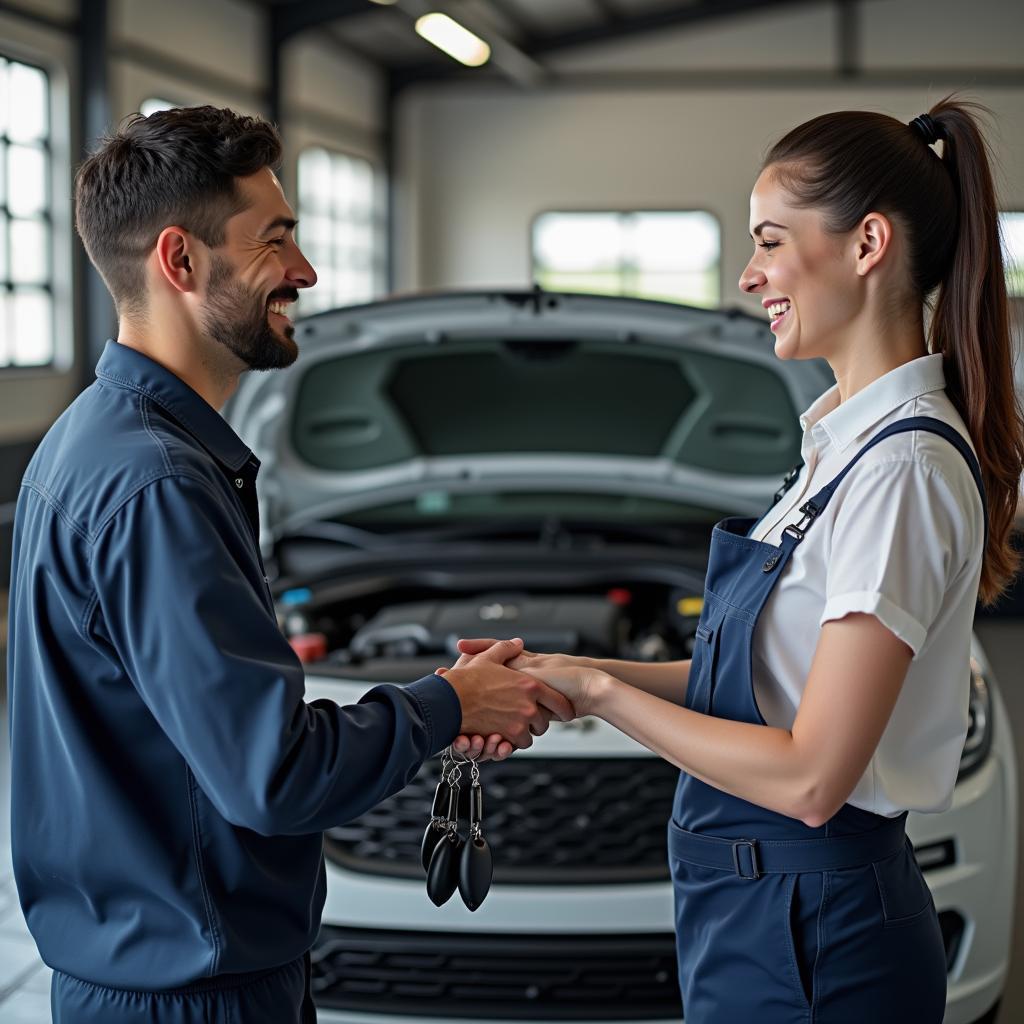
x,y
979,725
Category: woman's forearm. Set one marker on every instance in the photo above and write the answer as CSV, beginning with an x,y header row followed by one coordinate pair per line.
x,y
754,762
664,679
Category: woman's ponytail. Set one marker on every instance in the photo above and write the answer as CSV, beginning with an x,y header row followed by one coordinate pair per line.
x,y
971,328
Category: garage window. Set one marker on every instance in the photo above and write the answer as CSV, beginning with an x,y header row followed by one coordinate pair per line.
x,y
153,104
341,229
670,255
1011,225
26,226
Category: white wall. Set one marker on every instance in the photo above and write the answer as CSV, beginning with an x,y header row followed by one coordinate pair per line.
x,y
676,120
479,165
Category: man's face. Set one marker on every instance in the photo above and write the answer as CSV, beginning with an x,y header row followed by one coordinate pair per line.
x,y
254,276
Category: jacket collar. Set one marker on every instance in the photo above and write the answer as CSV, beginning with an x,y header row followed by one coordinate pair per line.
x,y
128,368
842,423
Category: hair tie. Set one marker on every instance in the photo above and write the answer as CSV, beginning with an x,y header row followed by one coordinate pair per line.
x,y
927,129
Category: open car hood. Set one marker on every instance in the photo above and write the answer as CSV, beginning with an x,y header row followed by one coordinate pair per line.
x,y
455,393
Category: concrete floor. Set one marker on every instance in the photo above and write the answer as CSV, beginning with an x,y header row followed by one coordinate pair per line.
x,y
25,980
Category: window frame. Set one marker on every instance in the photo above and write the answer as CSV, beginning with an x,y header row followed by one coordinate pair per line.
x,y
620,211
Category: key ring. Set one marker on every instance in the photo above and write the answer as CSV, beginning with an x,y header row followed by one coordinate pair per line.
x,y
450,861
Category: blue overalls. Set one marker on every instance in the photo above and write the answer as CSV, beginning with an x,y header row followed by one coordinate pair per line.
x,y
776,921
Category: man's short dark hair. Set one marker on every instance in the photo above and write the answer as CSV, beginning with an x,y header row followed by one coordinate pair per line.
x,y
174,167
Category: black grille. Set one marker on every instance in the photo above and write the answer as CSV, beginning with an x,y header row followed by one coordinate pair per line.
x,y
516,977
952,925
548,821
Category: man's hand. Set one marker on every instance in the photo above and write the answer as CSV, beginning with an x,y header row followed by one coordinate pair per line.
x,y
497,701
494,748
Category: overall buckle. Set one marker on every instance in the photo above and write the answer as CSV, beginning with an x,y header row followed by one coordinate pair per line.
x,y
810,513
754,863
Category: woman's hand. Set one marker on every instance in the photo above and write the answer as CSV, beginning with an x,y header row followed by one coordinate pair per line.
x,y
574,677
495,747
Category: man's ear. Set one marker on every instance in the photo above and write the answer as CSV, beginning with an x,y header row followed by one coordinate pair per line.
x,y
873,238
175,257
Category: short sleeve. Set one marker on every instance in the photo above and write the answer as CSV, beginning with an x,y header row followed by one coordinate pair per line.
x,y
900,537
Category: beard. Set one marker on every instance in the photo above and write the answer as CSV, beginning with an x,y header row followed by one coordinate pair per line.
x,y
238,319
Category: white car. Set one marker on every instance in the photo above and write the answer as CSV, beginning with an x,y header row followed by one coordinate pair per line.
x,y
548,466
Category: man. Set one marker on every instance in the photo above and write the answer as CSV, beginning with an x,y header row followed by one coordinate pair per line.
x,y
170,785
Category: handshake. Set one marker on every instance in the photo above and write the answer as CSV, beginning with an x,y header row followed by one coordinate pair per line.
x,y
509,695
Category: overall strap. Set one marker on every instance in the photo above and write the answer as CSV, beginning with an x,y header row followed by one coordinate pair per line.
x,y
816,505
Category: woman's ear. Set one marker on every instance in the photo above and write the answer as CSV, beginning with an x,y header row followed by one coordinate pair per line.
x,y
175,257
873,237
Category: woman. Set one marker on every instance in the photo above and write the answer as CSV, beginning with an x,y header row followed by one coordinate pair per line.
x,y
803,748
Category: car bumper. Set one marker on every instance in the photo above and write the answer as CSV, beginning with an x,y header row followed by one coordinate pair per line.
x,y
976,892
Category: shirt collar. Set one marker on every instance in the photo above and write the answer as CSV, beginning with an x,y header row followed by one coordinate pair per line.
x,y
842,423
129,368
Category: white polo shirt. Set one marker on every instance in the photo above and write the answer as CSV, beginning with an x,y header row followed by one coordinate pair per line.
x,y
902,540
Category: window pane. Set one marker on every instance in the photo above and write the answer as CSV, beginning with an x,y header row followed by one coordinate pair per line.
x,y
151,106
1012,229
26,180
578,241
669,255
4,95
338,213
6,330
314,179
31,341
26,272
29,246
597,283
675,241
695,288
28,118
342,187
362,186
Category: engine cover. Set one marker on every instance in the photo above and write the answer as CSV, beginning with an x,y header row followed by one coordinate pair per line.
x,y
570,625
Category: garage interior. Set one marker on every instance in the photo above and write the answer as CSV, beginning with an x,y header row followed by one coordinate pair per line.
x,y
412,173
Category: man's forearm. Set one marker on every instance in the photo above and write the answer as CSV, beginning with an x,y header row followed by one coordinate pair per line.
x,y
664,679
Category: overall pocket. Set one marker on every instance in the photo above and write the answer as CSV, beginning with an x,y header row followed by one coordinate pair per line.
x,y
702,668
807,895
903,892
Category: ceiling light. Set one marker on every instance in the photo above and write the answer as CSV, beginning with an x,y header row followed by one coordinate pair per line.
x,y
384,3
456,41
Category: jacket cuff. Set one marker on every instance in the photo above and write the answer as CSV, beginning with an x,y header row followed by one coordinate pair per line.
x,y
441,709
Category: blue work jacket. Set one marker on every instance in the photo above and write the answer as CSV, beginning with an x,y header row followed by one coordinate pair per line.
x,y
169,782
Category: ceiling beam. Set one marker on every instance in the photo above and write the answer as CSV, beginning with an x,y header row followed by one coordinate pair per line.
x,y
609,14
697,12
289,19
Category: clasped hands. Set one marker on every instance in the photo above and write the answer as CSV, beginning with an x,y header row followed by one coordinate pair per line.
x,y
510,695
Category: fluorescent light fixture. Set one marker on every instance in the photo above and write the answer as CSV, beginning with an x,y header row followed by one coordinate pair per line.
x,y
384,3
456,41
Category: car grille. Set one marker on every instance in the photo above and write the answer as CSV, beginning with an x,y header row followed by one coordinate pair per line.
x,y
548,821
553,977
515,977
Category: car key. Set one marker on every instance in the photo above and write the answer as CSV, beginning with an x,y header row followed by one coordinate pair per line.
x,y
476,864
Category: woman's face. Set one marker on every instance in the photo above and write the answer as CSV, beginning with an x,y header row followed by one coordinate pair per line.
x,y
805,277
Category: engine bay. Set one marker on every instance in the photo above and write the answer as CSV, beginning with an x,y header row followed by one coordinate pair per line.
x,y
400,633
